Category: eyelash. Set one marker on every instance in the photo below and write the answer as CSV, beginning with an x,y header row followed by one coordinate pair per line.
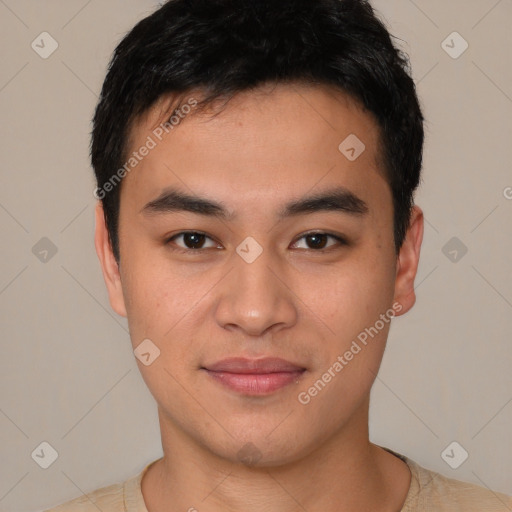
x,y
341,241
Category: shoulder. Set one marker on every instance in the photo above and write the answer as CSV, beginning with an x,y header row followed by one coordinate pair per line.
x,y
433,491
120,497
106,499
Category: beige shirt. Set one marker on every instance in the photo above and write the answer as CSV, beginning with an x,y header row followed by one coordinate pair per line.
x,y
428,492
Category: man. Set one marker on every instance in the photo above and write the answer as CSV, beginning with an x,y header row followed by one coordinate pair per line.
x,y
256,164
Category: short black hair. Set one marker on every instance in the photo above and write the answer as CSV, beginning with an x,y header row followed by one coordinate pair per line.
x,y
222,47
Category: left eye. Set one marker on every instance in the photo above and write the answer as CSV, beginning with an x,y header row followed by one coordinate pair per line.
x,y
318,240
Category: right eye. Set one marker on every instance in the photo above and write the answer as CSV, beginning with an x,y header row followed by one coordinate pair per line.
x,y
191,241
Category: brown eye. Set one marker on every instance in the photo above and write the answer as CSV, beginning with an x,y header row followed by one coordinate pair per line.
x,y
318,241
192,240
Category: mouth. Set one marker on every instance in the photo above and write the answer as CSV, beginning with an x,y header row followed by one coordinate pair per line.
x,y
254,376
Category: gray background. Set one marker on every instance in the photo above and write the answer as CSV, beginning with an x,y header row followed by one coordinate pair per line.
x,y
67,372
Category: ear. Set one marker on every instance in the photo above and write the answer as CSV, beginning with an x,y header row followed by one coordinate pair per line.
x,y
408,260
108,263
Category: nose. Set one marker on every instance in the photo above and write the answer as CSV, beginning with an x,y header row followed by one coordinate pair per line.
x,y
257,297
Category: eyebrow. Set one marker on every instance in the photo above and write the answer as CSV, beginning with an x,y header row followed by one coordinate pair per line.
x,y
337,199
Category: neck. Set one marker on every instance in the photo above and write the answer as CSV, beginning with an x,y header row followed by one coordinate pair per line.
x,y
341,474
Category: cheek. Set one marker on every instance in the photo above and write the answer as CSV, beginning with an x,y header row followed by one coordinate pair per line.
x,y
156,303
351,294
168,305
149,297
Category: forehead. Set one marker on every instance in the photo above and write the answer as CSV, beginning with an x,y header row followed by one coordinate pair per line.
x,y
318,108
275,140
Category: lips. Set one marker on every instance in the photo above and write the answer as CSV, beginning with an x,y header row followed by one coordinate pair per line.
x,y
254,366
254,376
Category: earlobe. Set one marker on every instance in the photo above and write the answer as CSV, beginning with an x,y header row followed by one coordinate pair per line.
x,y
408,261
108,263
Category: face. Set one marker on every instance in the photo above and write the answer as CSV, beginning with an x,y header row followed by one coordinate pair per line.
x,y
283,249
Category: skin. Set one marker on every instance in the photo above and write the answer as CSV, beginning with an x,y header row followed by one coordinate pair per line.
x,y
295,301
